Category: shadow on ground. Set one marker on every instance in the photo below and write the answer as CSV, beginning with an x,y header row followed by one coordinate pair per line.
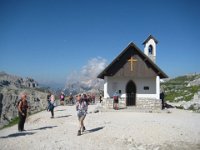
x,y
93,130
17,135
43,128
63,116
61,110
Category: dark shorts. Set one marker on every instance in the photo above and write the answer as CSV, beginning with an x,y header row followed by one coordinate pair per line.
x,y
116,101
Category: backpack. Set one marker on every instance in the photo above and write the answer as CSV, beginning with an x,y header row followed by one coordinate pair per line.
x,y
115,98
17,104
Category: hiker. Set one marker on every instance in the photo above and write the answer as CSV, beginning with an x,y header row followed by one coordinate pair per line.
x,y
22,109
86,98
52,105
62,98
162,97
48,100
71,98
115,101
93,98
81,108
77,98
100,98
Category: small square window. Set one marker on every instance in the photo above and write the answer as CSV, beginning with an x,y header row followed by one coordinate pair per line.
x,y
146,88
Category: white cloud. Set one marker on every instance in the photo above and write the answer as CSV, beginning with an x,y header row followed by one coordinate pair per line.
x,y
86,78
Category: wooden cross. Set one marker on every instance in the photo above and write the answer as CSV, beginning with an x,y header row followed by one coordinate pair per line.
x,y
132,60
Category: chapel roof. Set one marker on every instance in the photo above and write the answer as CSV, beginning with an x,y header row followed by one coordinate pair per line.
x,y
114,66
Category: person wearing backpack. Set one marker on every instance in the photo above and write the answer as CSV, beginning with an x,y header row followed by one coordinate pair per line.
x,y
52,105
81,108
115,101
22,111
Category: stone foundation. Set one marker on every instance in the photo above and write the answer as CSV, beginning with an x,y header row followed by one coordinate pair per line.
x,y
108,103
148,103
141,103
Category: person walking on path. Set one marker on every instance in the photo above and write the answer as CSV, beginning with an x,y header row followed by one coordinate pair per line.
x,y
162,97
22,111
62,98
71,100
81,108
116,100
48,100
52,105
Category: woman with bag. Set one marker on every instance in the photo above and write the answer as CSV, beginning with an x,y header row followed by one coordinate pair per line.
x,y
81,108
52,105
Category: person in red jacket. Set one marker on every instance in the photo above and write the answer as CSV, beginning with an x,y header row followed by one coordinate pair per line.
x,y
62,98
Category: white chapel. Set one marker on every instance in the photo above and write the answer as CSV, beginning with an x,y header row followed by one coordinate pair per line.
x,y
135,76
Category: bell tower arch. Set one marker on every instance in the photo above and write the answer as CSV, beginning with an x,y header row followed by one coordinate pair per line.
x,y
150,47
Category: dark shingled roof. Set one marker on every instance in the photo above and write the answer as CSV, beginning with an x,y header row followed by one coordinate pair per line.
x,y
111,68
150,37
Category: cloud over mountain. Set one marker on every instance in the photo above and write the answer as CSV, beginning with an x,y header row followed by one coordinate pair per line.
x,y
86,79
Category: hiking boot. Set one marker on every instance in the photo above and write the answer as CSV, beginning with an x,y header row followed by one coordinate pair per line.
x,y
83,128
79,133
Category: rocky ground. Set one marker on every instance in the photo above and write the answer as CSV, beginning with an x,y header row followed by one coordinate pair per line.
x,y
111,130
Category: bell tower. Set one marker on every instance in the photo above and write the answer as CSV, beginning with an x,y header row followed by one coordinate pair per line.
x,y
150,47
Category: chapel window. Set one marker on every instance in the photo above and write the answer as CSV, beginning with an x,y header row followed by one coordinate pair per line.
x,y
150,50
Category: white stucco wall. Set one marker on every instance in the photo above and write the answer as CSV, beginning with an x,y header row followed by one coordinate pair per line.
x,y
146,50
157,87
106,95
113,84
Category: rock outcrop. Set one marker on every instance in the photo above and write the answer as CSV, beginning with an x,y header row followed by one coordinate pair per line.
x,y
10,89
194,104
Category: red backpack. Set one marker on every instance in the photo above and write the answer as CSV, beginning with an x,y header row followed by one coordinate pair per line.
x,y
115,98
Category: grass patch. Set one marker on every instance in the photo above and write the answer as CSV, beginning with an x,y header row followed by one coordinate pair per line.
x,y
13,122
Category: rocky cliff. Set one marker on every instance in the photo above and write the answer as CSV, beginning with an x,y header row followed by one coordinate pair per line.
x,y
10,89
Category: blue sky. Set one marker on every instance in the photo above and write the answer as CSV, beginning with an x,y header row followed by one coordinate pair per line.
x,y
49,39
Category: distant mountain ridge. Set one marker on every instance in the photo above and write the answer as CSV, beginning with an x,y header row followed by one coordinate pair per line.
x,y
15,81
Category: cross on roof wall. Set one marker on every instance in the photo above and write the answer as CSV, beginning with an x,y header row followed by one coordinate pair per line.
x,y
132,60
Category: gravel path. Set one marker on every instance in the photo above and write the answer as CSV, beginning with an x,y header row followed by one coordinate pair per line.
x,y
115,130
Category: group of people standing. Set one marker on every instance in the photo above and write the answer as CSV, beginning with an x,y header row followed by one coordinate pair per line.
x,y
82,103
